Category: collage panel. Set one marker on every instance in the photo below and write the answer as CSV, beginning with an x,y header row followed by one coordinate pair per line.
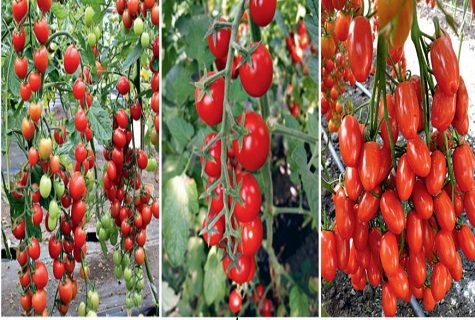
x,y
397,224
80,152
240,156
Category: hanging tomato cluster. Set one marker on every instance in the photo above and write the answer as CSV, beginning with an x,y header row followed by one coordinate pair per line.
x,y
155,99
399,208
134,12
222,224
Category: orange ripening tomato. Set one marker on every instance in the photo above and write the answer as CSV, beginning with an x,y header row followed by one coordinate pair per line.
x,y
445,65
328,47
395,20
407,113
360,48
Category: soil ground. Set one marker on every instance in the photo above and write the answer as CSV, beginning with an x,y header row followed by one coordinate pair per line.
x,y
338,297
111,292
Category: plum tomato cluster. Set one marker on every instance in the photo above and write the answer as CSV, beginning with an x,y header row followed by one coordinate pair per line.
x,y
228,163
402,226
134,15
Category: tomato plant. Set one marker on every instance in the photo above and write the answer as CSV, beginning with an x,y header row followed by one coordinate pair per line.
x,y
62,65
402,206
220,218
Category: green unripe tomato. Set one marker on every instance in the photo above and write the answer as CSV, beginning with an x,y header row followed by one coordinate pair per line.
x,y
103,234
113,237
92,314
52,222
151,165
127,274
91,39
140,284
129,284
97,32
145,40
98,227
128,302
82,309
107,221
123,29
58,188
117,257
118,272
53,209
45,186
137,298
126,261
88,16
93,299
138,26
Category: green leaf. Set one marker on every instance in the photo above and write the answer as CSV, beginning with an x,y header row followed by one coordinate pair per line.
x,y
100,122
98,17
181,130
309,179
133,56
237,92
59,11
180,201
12,79
178,85
313,68
298,302
196,48
215,278
94,2
169,297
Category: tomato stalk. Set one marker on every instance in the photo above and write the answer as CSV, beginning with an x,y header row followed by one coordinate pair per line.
x,y
281,129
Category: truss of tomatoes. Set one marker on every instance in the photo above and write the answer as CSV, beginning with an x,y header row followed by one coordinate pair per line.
x,y
256,77
403,227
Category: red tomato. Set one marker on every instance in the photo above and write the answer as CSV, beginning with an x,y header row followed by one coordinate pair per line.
x,y
251,236
389,253
244,263
262,11
422,200
393,212
350,140
389,301
329,255
360,235
210,107
469,204
419,156
445,65
456,269
345,216
72,59
414,232
429,302
405,178
438,282
461,108
407,112
219,43
369,204
444,211
41,30
369,164
235,301
342,249
360,48
251,196
399,283
216,234
417,270
255,145
342,25
466,241
445,247
19,39
256,78
353,184
463,166
438,170
443,109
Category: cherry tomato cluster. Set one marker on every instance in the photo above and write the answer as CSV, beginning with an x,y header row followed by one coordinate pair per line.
x,y
134,13
155,99
297,44
131,204
399,208
240,232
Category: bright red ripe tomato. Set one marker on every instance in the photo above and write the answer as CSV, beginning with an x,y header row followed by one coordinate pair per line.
x,y
389,300
77,186
414,232
21,67
18,39
407,112
256,79
438,170
136,111
212,166
353,184
41,30
72,59
342,25
399,283
369,164
438,282
244,263
360,235
443,109
350,139
119,138
216,234
40,57
360,48
40,276
155,102
463,166
123,85
58,269
444,211
142,160
65,290
392,211
445,65
445,247
466,241
35,81
262,11
342,249
251,196
219,44
27,128
38,299
462,100
369,204
235,301
44,5
19,9
122,118
251,236
389,253
418,156
255,145
329,255
210,107
429,302
80,120
79,89
25,91
345,215
405,178
422,200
